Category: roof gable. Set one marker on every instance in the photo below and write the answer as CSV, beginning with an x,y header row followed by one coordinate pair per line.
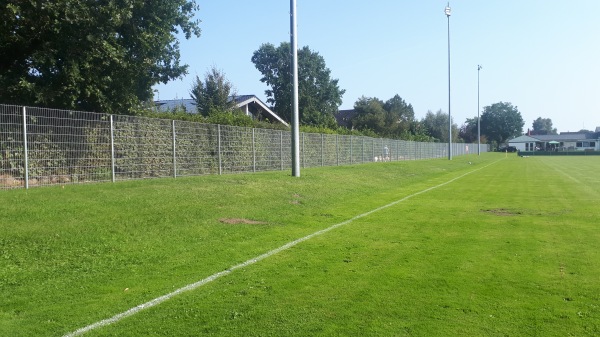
x,y
241,101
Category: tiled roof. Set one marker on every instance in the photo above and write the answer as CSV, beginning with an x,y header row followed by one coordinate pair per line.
x,y
171,104
190,104
561,137
240,100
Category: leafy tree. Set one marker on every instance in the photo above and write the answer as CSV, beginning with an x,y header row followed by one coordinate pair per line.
x,y
543,126
500,122
437,126
319,95
400,116
369,114
468,131
390,119
100,55
214,94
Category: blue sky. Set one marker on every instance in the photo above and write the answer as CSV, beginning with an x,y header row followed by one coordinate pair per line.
x,y
541,56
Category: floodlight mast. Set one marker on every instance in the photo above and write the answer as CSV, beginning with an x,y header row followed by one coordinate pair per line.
x,y
295,119
448,11
479,67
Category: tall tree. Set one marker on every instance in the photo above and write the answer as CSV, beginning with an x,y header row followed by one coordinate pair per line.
x,y
393,118
437,126
543,126
319,95
468,131
501,121
214,93
99,55
400,116
369,114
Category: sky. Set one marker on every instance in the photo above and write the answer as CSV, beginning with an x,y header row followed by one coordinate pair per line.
x,y
541,56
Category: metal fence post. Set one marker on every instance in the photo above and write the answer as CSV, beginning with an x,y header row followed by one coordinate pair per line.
x,y
337,149
281,148
303,157
25,154
253,152
112,148
322,150
219,147
373,146
362,155
174,151
351,149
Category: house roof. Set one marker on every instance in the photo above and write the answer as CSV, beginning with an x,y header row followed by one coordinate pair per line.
x,y
563,137
344,117
251,99
523,139
171,104
240,101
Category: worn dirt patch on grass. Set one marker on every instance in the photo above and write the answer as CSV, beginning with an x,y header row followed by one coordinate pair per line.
x,y
501,211
237,221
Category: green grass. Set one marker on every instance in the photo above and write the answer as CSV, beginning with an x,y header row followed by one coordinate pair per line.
x,y
510,249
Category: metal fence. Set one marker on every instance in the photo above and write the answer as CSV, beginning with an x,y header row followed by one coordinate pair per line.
x,y
40,147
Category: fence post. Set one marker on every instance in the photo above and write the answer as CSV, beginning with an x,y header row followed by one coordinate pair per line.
x,y
322,150
281,148
174,151
337,148
219,146
253,152
112,148
362,155
351,149
373,146
25,154
303,157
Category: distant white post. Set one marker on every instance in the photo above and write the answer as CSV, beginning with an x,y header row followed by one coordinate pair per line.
x,y
295,119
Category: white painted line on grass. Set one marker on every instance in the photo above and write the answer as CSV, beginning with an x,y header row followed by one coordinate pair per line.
x,y
213,277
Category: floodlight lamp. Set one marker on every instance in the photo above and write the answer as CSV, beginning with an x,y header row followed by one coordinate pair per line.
x,y
447,10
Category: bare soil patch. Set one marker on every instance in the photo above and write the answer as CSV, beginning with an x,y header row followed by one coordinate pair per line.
x,y
501,212
238,221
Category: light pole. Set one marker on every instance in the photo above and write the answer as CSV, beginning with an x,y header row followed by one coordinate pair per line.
x,y
295,111
447,11
478,118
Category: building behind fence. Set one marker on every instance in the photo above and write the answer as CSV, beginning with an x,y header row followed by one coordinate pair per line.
x,y
40,147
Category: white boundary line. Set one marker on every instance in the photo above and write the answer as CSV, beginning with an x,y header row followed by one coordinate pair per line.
x,y
254,260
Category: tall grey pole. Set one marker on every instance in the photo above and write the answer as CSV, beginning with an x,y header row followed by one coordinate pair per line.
x,y
447,10
295,119
25,149
478,118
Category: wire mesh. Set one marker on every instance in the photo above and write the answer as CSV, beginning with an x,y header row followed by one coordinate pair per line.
x,y
40,147
12,163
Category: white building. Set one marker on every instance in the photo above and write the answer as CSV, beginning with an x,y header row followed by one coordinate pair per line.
x,y
565,141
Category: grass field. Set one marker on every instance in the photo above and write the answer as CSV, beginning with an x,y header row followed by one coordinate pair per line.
x,y
505,246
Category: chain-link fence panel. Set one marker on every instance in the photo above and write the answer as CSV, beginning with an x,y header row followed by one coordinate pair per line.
x,y
12,150
143,148
41,146
196,148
